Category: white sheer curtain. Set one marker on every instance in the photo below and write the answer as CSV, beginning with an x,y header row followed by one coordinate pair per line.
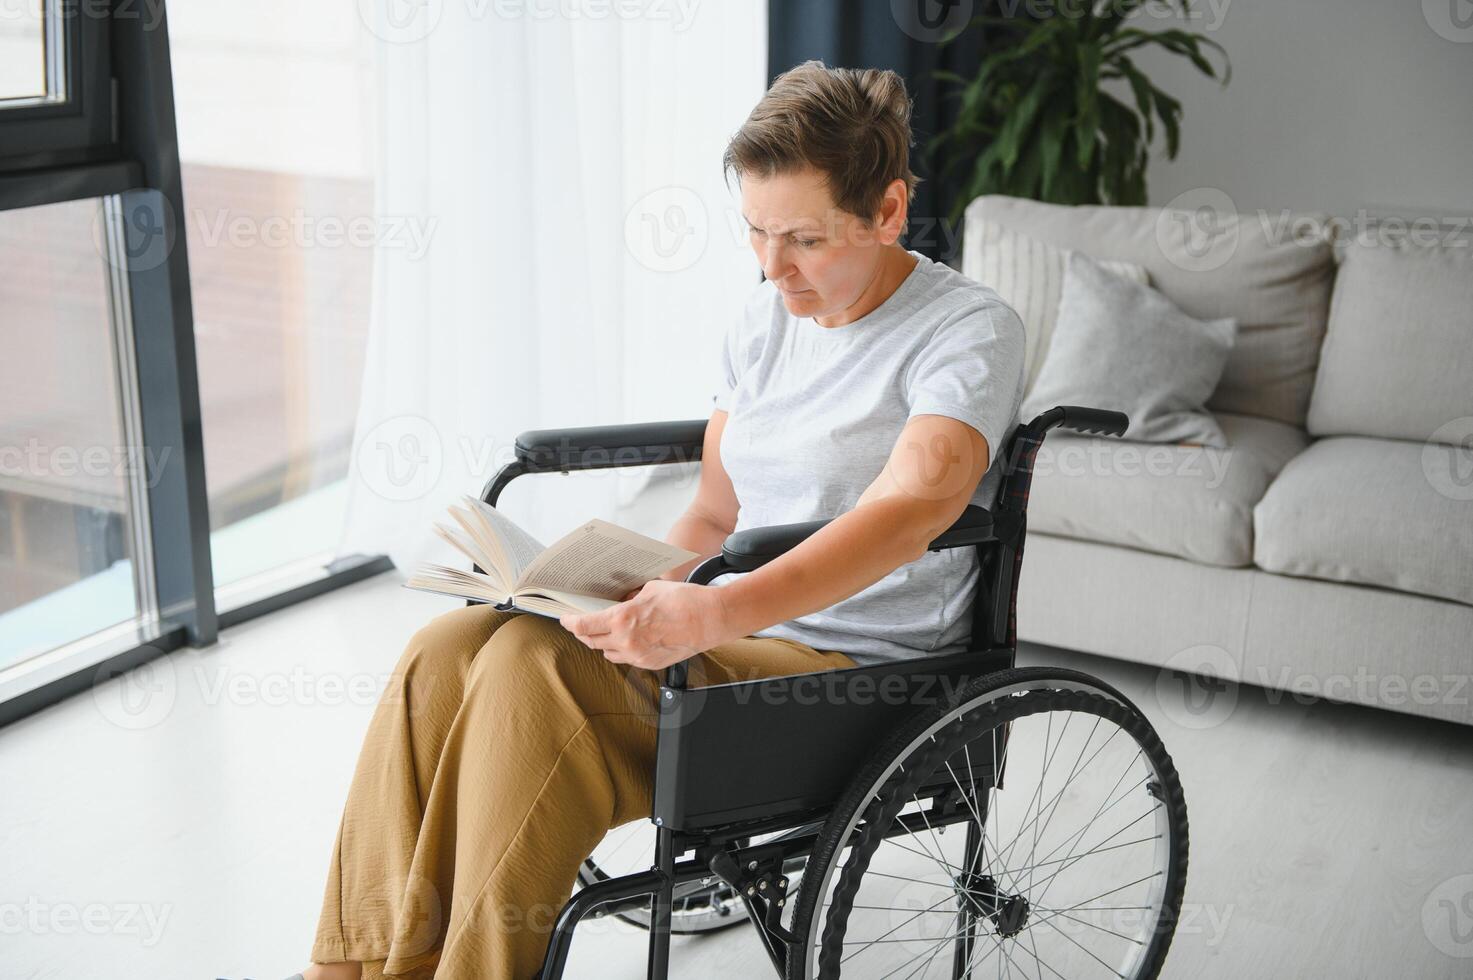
x,y
583,254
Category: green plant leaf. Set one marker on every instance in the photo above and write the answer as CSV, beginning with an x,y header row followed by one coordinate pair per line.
x,y
1179,42
1011,138
1170,112
1051,138
942,75
1140,88
1086,98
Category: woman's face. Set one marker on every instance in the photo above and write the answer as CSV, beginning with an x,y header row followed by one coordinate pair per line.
x,y
824,261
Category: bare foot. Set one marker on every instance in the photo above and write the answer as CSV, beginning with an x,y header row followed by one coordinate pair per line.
x,y
333,971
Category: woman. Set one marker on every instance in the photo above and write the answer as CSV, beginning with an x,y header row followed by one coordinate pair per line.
x,y
864,381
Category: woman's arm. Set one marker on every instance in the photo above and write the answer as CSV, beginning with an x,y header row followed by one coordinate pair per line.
x,y
929,479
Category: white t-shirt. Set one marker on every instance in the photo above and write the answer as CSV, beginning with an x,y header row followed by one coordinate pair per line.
x,y
814,412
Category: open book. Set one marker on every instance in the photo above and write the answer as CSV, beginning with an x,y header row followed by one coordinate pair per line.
x,y
590,568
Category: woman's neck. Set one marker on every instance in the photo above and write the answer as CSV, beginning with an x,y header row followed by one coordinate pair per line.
x,y
893,270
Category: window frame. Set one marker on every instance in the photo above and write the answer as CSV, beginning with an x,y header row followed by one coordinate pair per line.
x,y
114,138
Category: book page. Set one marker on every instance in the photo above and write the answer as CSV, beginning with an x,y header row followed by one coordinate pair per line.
x,y
550,602
519,547
443,580
602,560
475,550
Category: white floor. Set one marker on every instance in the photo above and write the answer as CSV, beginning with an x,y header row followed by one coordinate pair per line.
x,y
177,822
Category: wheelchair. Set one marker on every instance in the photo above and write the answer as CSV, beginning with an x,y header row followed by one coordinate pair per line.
x,y
816,806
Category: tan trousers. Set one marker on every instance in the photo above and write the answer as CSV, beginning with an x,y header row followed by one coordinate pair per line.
x,y
502,751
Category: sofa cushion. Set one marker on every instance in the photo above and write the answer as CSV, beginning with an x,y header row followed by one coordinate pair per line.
x,y
1352,509
1270,273
1398,354
1121,345
1029,276
1187,501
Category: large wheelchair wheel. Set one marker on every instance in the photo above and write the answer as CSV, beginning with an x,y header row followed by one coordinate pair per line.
x,y
699,906
1033,825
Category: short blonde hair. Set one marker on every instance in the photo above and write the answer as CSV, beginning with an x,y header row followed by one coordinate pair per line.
x,y
852,125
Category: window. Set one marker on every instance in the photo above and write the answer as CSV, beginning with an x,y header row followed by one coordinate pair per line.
x,y
32,53
278,192
69,483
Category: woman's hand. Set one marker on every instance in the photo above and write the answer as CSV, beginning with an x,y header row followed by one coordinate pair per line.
x,y
660,624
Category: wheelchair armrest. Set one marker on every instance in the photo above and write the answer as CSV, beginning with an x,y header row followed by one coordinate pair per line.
x,y
597,447
1081,419
755,547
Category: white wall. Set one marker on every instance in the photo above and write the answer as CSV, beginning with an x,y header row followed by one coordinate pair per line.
x,y
1334,105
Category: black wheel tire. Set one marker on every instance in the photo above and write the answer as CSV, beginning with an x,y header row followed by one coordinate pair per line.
x,y
882,807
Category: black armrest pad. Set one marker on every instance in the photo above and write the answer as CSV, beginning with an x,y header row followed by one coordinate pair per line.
x,y
604,446
755,547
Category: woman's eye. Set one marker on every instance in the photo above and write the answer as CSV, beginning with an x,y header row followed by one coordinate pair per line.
x,y
807,242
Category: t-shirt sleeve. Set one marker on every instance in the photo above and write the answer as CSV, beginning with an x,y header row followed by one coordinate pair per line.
x,y
971,370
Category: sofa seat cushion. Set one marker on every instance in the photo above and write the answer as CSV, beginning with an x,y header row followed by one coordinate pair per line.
x,y
1369,511
1188,501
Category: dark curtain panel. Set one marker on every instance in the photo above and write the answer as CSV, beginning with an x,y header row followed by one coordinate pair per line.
x,y
900,35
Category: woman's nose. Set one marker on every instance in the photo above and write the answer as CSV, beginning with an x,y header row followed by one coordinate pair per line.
x,y
774,261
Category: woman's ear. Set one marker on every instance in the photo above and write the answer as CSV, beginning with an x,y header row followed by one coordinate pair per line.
x,y
894,207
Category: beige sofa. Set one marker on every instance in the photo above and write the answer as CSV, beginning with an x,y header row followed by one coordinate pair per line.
x,y
1328,549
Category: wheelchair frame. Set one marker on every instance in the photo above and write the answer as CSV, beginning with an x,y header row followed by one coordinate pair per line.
x,y
713,792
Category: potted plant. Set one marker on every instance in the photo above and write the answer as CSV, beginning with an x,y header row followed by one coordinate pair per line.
x,y
1037,121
